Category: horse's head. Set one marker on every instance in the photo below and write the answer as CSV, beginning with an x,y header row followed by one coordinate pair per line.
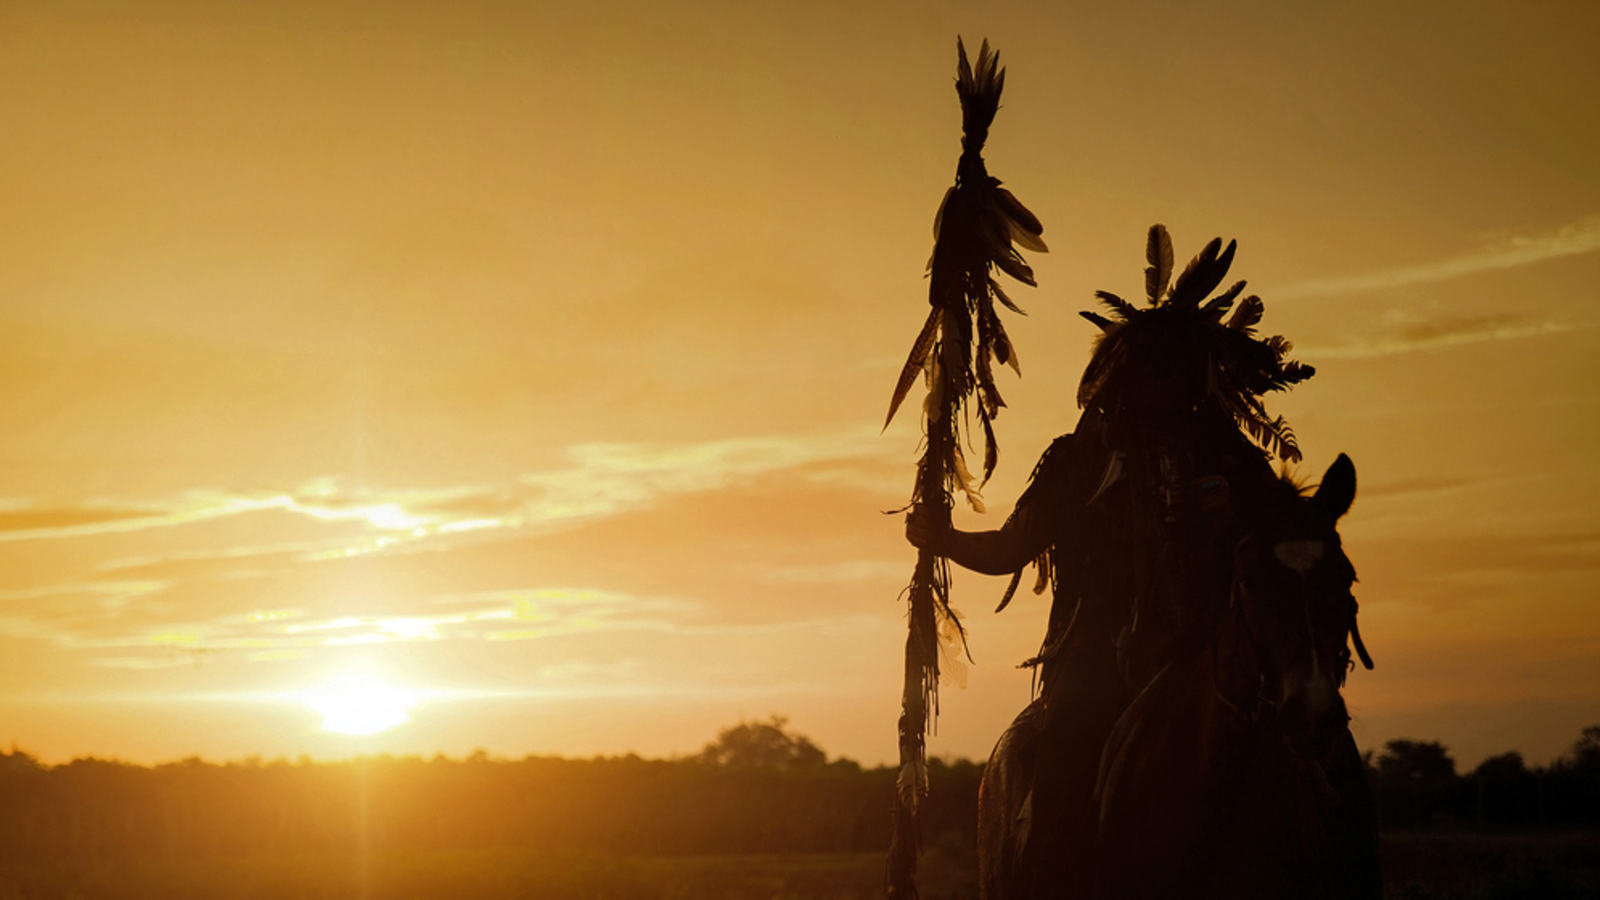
x,y
1292,598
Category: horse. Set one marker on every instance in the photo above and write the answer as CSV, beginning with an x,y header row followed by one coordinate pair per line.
x,y
1232,773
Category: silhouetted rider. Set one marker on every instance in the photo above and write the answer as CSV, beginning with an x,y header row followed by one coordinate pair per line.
x,y
1133,518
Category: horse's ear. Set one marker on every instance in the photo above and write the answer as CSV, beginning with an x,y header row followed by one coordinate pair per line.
x,y
1338,488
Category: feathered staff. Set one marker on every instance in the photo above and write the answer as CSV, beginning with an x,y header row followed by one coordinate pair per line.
x,y
973,234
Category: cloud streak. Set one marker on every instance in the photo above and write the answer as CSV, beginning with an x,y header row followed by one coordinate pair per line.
x,y
600,479
1441,334
228,581
1573,239
607,479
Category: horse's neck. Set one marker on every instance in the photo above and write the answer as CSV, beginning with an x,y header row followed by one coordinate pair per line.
x,y
1236,671
1168,755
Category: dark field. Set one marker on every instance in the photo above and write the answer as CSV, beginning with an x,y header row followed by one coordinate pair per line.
x,y
1492,867
1417,867
467,875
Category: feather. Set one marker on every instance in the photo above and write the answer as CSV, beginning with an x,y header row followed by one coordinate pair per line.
x,y
1013,208
1203,274
933,401
1288,450
955,342
991,447
1247,314
979,88
1027,239
1012,264
1206,256
1219,304
1101,322
989,401
986,341
993,236
951,669
964,479
1125,311
1001,296
1011,590
1294,372
1107,359
912,783
938,217
1273,435
1158,253
914,363
992,402
1001,339
1111,476
1022,225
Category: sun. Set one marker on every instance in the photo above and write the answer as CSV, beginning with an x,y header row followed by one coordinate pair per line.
x,y
359,704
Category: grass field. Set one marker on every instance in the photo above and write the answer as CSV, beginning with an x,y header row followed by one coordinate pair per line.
x,y
482,875
1540,866
467,875
1417,867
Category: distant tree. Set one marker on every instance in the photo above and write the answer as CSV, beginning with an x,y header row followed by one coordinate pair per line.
x,y
1585,754
1505,767
1504,793
1369,764
1414,783
1425,765
763,745
18,761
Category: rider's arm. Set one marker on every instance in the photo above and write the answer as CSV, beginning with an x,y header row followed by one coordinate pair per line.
x,y
999,552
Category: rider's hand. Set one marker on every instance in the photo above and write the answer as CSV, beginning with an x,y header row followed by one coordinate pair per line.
x,y
924,530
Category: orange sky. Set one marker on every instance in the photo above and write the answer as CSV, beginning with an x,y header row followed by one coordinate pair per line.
x,y
530,357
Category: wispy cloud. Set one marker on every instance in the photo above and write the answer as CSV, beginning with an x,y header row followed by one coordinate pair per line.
x,y
846,572
36,523
491,616
1411,486
27,518
198,591
606,479
1573,239
1439,334
600,479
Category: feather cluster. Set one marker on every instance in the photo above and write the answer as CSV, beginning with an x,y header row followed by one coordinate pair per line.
x,y
976,232
1240,367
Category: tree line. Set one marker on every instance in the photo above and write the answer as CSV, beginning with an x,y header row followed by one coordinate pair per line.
x,y
1417,787
756,789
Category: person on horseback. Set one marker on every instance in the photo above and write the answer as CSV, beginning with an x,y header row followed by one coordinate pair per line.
x,y
1132,519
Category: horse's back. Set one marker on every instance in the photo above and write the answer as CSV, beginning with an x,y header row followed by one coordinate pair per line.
x,y
1005,805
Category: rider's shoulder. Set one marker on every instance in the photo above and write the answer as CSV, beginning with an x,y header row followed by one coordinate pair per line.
x,y
1068,461
1074,451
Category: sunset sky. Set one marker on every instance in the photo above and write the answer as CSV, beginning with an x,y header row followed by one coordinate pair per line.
x,y
525,362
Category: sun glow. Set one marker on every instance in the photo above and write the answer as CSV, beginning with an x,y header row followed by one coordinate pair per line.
x,y
360,704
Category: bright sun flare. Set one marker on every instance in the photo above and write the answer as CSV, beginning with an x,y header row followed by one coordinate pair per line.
x,y
360,704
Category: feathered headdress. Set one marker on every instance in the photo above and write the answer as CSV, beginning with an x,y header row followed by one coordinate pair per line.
x,y
1237,365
